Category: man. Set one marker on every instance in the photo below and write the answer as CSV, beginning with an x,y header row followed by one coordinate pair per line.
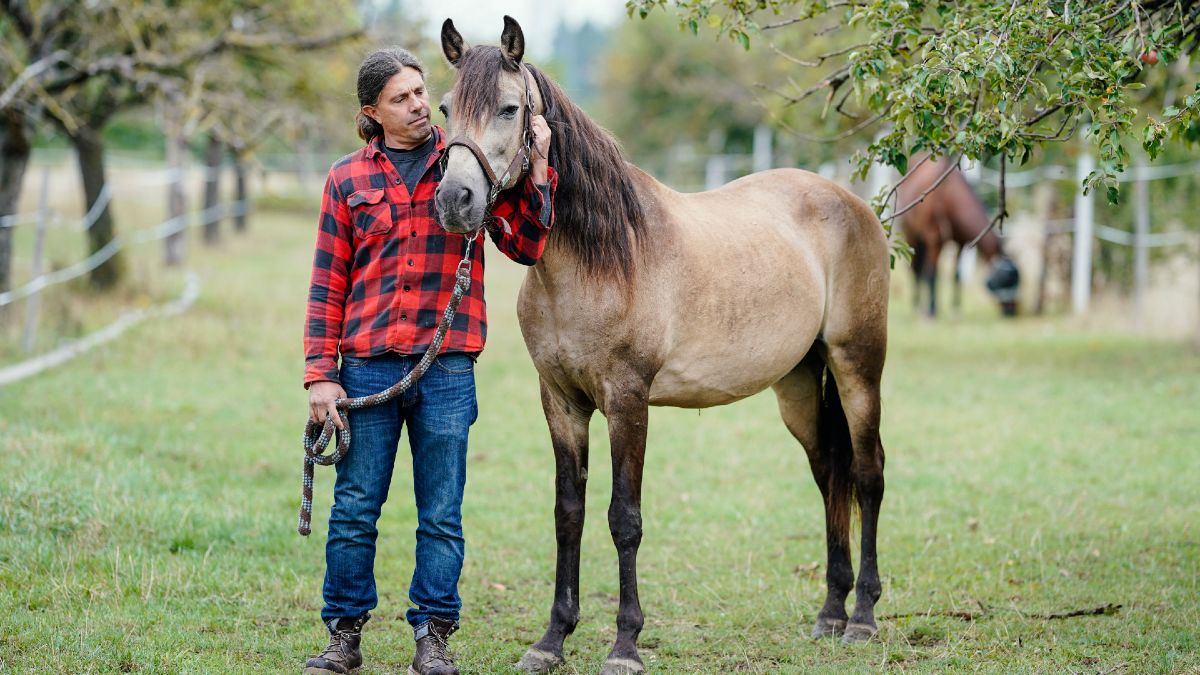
x,y
383,272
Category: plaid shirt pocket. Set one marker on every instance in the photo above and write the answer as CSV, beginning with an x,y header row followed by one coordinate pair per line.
x,y
370,213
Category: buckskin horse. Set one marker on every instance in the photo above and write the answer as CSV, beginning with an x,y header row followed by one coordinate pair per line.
x,y
951,212
646,296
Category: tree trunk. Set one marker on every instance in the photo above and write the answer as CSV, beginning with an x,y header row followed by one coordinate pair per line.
x,y
175,245
14,158
90,149
239,186
212,187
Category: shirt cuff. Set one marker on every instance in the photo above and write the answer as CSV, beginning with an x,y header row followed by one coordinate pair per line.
x,y
319,369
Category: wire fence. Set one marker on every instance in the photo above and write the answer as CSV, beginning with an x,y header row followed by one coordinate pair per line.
x,y
154,233
47,218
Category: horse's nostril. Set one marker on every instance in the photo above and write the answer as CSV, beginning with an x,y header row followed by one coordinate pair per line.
x,y
464,197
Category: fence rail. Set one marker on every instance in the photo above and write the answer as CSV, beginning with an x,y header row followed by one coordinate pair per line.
x,y
152,233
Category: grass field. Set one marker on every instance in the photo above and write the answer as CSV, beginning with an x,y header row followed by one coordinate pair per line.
x,y
149,492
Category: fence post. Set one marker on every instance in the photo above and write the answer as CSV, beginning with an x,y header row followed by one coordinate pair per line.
x,y
1081,259
39,246
1141,228
763,159
177,151
714,172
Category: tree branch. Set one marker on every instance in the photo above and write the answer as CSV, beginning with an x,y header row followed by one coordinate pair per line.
x,y
800,19
127,64
32,71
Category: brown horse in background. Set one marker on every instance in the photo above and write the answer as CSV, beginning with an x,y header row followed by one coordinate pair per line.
x,y
951,213
647,296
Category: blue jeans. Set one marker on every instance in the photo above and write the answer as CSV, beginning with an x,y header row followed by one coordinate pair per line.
x,y
439,411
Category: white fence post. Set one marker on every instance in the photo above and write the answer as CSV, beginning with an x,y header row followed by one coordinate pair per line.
x,y
763,158
1141,228
1081,260
39,247
714,172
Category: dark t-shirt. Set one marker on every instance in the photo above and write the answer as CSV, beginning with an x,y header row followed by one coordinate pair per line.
x,y
411,163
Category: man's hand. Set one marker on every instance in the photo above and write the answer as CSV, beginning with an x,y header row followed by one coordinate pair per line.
x,y
321,398
541,150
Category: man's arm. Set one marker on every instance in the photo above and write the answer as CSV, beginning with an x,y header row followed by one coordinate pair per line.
x,y
328,289
529,211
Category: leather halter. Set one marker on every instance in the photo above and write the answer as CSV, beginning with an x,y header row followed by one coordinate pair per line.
x,y
520,162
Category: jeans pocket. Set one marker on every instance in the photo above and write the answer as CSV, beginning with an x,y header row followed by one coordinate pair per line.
x,y
455,364
353,362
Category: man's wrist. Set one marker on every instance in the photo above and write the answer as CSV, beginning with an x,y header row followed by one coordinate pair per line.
x,y
539,172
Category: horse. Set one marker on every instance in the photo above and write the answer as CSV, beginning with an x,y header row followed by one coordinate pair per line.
x,y
646,296
951,212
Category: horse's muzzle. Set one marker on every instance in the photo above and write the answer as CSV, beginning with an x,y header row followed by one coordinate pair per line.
x,y
458,208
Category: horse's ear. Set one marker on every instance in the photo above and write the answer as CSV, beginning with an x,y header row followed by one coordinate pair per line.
x,y
512,40
452,43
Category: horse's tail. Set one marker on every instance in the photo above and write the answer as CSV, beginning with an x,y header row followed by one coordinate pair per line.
x,y
833,437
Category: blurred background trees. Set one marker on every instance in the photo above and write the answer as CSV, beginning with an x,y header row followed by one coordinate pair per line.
x,y
267,89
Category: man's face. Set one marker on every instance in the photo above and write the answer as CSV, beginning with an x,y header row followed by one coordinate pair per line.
x,y
403,110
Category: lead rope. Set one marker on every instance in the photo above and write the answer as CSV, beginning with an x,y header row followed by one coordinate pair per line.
x,y
317,436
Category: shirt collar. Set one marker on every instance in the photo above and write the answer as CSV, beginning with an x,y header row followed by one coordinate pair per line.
x,y
375,147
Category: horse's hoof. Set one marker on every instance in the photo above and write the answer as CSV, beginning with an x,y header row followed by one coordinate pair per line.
x,y
616,666
828,628
538,661
858,633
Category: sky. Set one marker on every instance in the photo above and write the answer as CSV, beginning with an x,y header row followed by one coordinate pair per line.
x,y
480,21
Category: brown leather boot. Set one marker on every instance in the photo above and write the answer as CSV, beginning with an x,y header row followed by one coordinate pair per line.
x,y
433,656
343,654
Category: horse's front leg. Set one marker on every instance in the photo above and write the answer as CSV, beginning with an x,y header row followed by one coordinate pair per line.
x,y
627,413
568,422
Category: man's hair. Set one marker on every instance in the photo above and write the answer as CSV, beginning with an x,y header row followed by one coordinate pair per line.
x,y
373,75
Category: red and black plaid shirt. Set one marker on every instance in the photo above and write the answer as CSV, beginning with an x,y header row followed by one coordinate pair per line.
x,y
384,269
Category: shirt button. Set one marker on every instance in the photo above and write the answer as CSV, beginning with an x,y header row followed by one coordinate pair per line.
x,y
404,317
397,181
410,262
414,233
407,288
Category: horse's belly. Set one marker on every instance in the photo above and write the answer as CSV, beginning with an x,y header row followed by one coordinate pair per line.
x,y
712,378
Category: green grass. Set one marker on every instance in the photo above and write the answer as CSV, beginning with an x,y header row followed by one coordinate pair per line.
x,y
149,495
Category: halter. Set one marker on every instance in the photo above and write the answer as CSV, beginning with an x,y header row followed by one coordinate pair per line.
x,y
521,160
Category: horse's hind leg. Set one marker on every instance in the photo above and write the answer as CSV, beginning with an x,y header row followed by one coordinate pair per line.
x,y
625,406
857,364
803,409
568,422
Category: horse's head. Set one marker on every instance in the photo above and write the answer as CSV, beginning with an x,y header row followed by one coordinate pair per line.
x,y
1003,282
488,115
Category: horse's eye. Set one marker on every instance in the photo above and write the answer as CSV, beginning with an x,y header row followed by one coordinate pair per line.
x,y
445,113
509,112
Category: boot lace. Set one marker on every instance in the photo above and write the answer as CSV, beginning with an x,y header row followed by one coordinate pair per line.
x,y
439,652
337,646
